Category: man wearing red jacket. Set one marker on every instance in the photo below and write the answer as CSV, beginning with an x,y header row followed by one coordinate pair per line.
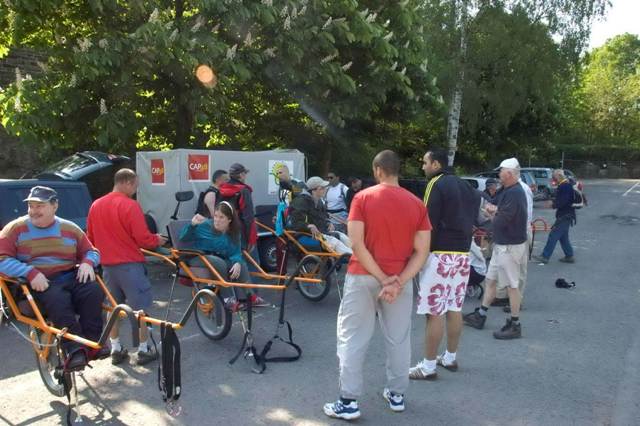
x,y
116,224
238,193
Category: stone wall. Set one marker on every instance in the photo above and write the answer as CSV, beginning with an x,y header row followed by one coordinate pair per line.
x,y
15,159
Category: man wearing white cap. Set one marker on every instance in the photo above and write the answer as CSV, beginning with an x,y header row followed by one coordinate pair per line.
x,y
309,214
509,251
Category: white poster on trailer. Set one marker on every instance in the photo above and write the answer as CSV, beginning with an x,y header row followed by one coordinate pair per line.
x,y
272,174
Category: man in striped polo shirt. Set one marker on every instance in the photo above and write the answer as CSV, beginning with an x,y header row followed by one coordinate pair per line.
x,y
453,206
45,249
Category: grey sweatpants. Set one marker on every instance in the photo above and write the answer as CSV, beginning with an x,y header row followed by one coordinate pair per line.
x,y
356,324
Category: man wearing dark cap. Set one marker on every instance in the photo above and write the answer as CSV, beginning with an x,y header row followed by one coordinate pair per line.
x,y
238,194
45,249
490,190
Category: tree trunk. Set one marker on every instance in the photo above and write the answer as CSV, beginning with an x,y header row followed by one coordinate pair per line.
x,y
453,122
184,121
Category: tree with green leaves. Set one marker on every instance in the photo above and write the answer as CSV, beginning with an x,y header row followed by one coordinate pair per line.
x,y
120,76
464,22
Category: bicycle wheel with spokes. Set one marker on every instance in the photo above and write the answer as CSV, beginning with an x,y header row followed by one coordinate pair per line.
x,y
212,316
47,358
315,291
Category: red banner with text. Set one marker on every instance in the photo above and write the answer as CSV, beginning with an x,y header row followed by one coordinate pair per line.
x,y
198,167
157,171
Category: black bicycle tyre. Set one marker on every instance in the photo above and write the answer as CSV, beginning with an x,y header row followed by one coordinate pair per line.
x,y
47,367
322,288
204,319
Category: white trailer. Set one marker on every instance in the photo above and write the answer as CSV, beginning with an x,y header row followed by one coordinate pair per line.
x,y
163,173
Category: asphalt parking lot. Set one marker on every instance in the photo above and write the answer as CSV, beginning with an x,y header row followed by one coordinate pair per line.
x,y
577,363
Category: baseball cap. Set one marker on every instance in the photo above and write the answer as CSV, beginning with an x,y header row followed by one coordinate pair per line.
x,y
237,168
42,194
316,182
491,181
510,163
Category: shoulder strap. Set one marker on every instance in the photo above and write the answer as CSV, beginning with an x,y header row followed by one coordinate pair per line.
x,y
169,377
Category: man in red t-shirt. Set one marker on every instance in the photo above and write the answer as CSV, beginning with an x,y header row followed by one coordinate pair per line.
x,y
390,234
116,226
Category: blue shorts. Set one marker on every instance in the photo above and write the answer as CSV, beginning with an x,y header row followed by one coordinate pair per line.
x,y
128,283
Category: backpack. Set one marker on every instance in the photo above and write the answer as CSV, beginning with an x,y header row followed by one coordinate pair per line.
x,y
202,208
234,200
579,200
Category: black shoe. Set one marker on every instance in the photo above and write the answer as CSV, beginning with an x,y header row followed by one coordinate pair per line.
x,y
499,301
509,331
475,320
146,357
76,360
118,357
567,259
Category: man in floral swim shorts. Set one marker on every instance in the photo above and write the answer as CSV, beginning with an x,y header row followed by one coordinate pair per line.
x,y
453,206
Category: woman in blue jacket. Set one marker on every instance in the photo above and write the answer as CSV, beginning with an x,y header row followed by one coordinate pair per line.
x,y
220,239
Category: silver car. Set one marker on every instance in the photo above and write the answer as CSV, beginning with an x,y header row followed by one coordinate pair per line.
x,y
544,179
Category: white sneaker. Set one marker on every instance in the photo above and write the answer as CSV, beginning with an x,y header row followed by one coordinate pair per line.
x,y
451,366
395,400
422,372
339,410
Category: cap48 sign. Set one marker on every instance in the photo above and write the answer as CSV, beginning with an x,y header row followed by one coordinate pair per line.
x,y
157,171
198,167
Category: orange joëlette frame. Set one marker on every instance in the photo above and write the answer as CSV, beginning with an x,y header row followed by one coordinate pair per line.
x,y
217,280
41,324
291,236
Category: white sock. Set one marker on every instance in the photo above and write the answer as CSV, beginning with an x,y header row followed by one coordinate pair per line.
x,y
429,364
144,347
115,345
449,357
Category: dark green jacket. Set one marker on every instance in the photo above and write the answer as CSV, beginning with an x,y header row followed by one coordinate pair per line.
x,y
303,211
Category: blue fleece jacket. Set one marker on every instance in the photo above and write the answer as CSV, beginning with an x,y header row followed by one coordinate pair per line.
x,y
206,239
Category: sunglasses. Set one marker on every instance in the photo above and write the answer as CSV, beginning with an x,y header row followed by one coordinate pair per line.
x,y
330,177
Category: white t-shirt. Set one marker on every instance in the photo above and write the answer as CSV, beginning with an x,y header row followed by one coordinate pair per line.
x,y
529,194
476,259
336,196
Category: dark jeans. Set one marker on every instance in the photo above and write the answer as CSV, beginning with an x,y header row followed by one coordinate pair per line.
x,y
65,298
559,232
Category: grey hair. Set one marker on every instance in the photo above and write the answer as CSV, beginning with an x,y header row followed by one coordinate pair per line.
x,y
514,172
559,173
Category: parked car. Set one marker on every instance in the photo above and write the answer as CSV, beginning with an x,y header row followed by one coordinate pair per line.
x,y
526,177
74,199
544,179
94,168
479,183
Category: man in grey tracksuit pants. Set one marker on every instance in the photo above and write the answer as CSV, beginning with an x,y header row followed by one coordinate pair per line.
x,y
390,233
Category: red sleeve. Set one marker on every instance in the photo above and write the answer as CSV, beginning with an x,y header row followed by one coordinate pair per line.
x,y
8,239
356,213
87,253
138,227
424,224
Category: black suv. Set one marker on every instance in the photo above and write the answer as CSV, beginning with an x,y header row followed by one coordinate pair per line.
x,y
74,199
94,168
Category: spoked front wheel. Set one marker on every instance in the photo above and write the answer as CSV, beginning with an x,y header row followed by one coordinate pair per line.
x,y
48,359
315,291
212,316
